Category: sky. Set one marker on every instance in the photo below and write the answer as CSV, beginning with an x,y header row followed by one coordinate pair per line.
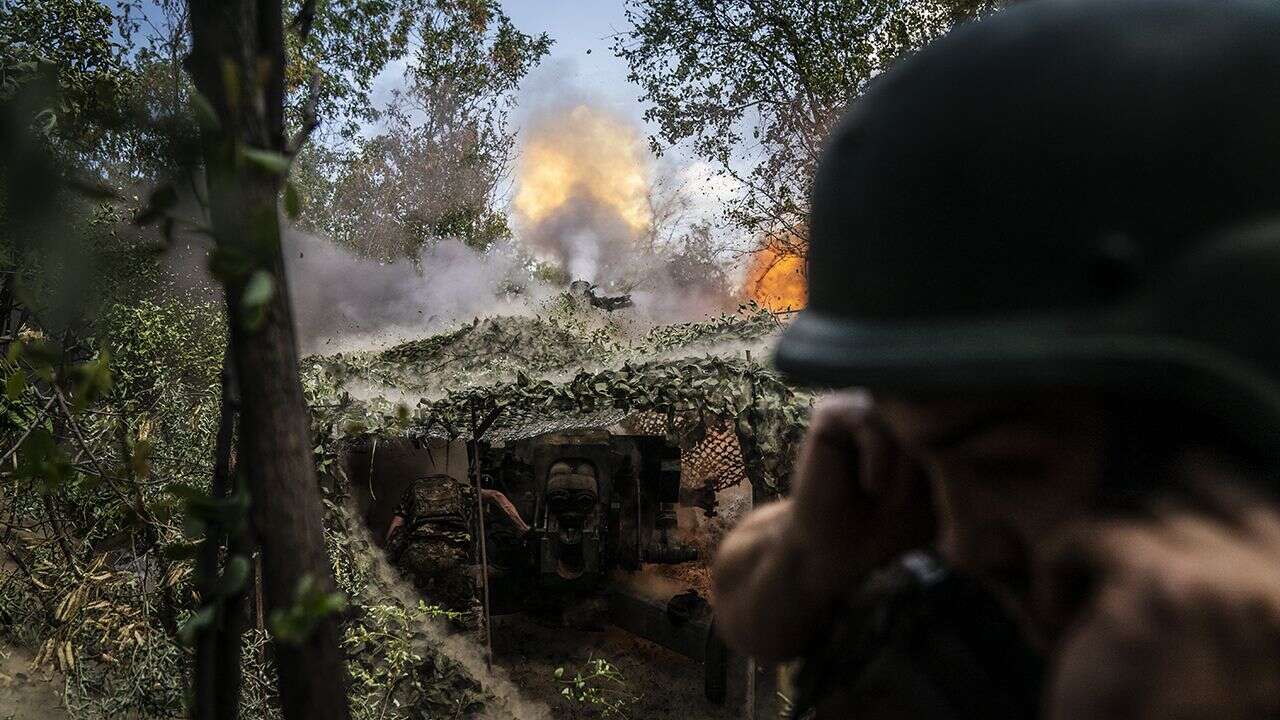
x,y
580,60
583,31
581,65
581,68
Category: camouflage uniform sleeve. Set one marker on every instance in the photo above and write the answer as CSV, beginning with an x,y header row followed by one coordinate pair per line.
x,y
404,508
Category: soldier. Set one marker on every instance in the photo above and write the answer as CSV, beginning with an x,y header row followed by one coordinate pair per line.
x,y
429,539
1049,247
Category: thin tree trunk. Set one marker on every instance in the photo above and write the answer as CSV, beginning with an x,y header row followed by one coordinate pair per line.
x,y
243,40
217,666
8,278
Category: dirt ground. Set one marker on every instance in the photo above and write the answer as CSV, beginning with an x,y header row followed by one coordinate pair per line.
x,y
27,694
665,685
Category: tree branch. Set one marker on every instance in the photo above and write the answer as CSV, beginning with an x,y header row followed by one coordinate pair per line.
x,y
310,121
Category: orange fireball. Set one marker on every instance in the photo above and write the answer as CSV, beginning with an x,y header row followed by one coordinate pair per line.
x,y
587,153
776,280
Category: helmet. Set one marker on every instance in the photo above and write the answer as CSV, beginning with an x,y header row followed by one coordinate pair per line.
x,y
1072,192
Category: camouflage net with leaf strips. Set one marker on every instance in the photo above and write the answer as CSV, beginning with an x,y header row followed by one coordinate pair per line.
x,y
567,339
690,396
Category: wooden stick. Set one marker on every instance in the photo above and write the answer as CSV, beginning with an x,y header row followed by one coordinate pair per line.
x,y
484,554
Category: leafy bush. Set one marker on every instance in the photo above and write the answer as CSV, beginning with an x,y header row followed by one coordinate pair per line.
x,y
596,689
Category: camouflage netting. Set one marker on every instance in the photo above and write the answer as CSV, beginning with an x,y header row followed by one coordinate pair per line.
x,y
716,461
697,383
701,384
109,623
567,338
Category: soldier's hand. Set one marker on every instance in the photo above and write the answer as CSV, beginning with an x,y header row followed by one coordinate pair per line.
x,y
858,501
1181,620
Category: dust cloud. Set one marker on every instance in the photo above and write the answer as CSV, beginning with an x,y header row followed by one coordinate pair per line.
x,y
343,302
587,196
506,702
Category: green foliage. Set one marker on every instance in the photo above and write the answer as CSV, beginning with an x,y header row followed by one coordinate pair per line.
x,y
596,690
73,39
201,512
96,596
687,392
167,353
394,641
567,336
311,604
267,160
434,170
395,672
116,620
259,698
755,87
40,461
349,43
102,578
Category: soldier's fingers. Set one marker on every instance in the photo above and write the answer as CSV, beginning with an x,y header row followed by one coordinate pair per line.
x,y
1074,567
850,492
1196,533
851,470
1238,505
829,464
1099,663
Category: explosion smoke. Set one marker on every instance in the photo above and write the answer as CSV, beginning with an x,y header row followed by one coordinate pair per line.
x,y
582,190
506,701
342,301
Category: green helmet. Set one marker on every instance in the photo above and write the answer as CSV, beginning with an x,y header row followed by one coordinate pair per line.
x,y
1073,192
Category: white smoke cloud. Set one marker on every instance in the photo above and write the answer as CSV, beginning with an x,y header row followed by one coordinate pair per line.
x,y
582,189
342,301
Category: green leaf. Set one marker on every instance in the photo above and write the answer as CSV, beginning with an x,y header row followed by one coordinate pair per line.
x,y
198,621
228,263
185,492
311,605
194,528
39,353
41,461
95,380
292,201
140,459
256,297
269,160
205,115
15,384
234,576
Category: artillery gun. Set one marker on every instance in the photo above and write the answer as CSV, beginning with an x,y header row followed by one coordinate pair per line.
x,y
586,290
573,516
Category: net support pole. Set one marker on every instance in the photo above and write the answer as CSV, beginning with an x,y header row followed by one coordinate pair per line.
x,y
480,534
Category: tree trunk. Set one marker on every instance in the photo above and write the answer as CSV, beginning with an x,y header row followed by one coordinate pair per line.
x,y
218,646
237,64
